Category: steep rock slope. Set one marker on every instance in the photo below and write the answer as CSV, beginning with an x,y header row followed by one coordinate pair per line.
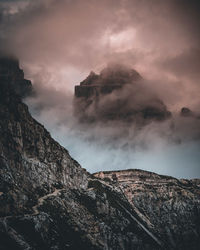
x,y
32,163
47,201
170,207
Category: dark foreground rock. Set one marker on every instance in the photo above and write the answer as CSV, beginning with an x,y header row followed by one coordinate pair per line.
x,y
11,72
170,207
47,201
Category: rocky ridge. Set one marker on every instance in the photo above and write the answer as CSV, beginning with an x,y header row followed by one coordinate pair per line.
x,y
11,72
32,163
47,201
170,207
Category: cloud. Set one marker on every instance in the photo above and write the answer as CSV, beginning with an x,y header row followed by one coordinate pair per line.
x,y
60,42
118,93
184,65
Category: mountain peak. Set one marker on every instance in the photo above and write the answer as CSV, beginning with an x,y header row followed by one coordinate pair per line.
x,y
113,74
12,77
116,73
48,201
113,95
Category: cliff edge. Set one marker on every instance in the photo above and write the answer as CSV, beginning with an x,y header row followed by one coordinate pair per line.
x,y
48,201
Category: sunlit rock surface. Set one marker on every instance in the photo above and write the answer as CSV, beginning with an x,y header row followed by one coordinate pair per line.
x,y
47,201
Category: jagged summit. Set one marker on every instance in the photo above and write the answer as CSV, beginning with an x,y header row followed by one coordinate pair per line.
x,y
114,74
12,76
90,79
117,93
48,201
119,74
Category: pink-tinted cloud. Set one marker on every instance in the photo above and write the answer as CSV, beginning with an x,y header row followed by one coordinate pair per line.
x,y
60,42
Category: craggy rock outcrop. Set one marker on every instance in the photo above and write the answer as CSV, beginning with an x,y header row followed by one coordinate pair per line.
x,y
117,93
47,201
170,207
186,112
111,78
32,163
10,72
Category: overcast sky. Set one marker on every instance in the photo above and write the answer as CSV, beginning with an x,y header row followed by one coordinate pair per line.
x,y
60,42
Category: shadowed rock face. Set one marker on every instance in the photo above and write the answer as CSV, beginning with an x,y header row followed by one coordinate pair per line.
x,y
47,201
111,78
117,94
12,74
32,163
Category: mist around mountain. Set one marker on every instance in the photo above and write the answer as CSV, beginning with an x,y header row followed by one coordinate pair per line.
x,y
60,42
99,149
48,201
123,124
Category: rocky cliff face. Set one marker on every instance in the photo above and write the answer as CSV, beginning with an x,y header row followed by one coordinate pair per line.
x,y
47,201
118,94
32,163
111,78
170,207
10,72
